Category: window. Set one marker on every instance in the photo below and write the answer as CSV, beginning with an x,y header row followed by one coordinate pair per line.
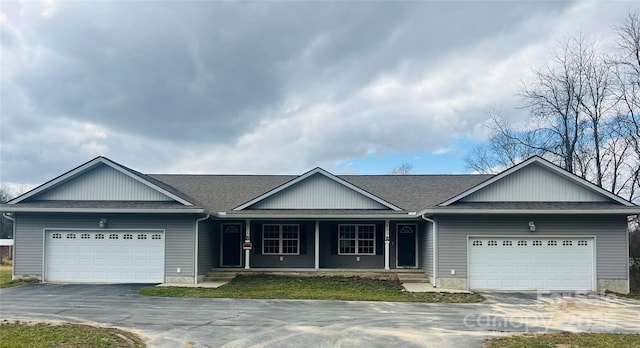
x,y
113,236
582,243
142,236
477,243
156,236
537,243
522,243
492,243
280,239
552,243
567,243
99,236
71,236
506,243
57,236
127,236
85,236
357,239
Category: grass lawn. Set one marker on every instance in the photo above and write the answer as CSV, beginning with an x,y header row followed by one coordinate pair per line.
x,y
5,278
568,340
631,295
312,288
19,334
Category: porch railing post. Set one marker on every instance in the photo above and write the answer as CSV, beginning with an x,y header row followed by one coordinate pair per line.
x,y
247,239
386,244
317,245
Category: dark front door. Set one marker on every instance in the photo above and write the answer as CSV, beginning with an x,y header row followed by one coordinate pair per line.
x,y
406,244
231,245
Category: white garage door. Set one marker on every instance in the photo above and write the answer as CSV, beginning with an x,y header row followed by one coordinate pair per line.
x,y
105,256
531,263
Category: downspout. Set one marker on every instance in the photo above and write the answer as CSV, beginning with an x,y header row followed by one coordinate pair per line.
x,y
13,249
435,249
195,259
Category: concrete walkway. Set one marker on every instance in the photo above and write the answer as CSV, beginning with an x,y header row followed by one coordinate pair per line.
x,y
411,287
426,287
191,285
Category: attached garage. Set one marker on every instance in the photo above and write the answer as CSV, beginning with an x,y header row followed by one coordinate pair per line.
x,y
518,263
104,256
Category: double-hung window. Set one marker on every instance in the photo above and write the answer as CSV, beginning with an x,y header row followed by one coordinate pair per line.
x,y
280,239
356,239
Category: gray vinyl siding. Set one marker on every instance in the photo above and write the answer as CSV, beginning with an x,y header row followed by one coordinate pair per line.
x,y
317,192
179,237
610,233
426,249
103,183
207,251
534,183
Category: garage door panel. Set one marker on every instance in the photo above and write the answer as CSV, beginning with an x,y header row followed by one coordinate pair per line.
x,y
531,263
105,257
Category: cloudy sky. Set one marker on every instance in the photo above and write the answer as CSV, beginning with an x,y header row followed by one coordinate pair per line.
x,y
268,87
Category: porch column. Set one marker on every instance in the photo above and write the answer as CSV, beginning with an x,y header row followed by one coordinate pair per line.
x,y
247,239
317,245
386,244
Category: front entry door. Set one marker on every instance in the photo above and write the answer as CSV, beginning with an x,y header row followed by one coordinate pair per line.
x,y
231,245
406,245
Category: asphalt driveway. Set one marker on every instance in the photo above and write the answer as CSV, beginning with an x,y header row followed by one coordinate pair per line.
x,y
188,322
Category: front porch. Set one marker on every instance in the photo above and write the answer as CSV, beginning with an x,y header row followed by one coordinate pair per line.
x,y
314,247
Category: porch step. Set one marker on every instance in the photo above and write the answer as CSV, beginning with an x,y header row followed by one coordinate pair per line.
x,y
217,275
404,275
413,277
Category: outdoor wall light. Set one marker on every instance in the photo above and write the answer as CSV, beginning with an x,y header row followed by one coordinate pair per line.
x,y
532,226
102,223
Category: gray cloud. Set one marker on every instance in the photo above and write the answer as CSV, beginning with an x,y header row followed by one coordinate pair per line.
x,y
252,86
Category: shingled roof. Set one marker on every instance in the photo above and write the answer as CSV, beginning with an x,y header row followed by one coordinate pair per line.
x,y
223,193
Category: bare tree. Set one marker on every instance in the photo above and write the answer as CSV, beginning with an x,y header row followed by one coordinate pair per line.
x,y
6,226
404,169
626,67
575,119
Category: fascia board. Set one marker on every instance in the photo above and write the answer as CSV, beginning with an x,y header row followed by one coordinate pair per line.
x,y
87,166
57,180
19,209
319,217
302,177
431,212
576,179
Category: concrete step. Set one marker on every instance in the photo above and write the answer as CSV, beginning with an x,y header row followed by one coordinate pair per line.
x,y
219,276
413,277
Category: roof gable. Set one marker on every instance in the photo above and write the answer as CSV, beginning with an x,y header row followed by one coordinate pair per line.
x,y
100,180
317,189
536,180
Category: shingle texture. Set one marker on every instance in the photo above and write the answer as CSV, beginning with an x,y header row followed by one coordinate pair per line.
x,y
409,192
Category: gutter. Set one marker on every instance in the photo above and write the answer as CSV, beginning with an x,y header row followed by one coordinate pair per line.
x,y
102,210
409,215
435,249
627,212
13,249
195,258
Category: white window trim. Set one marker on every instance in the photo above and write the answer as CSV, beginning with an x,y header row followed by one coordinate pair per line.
x,y
280,239
358,239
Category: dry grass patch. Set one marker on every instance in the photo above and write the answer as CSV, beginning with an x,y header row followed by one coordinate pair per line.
x,y
21,334
5,278
566,340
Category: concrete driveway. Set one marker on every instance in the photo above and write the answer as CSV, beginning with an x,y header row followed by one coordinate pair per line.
x,y
185,322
